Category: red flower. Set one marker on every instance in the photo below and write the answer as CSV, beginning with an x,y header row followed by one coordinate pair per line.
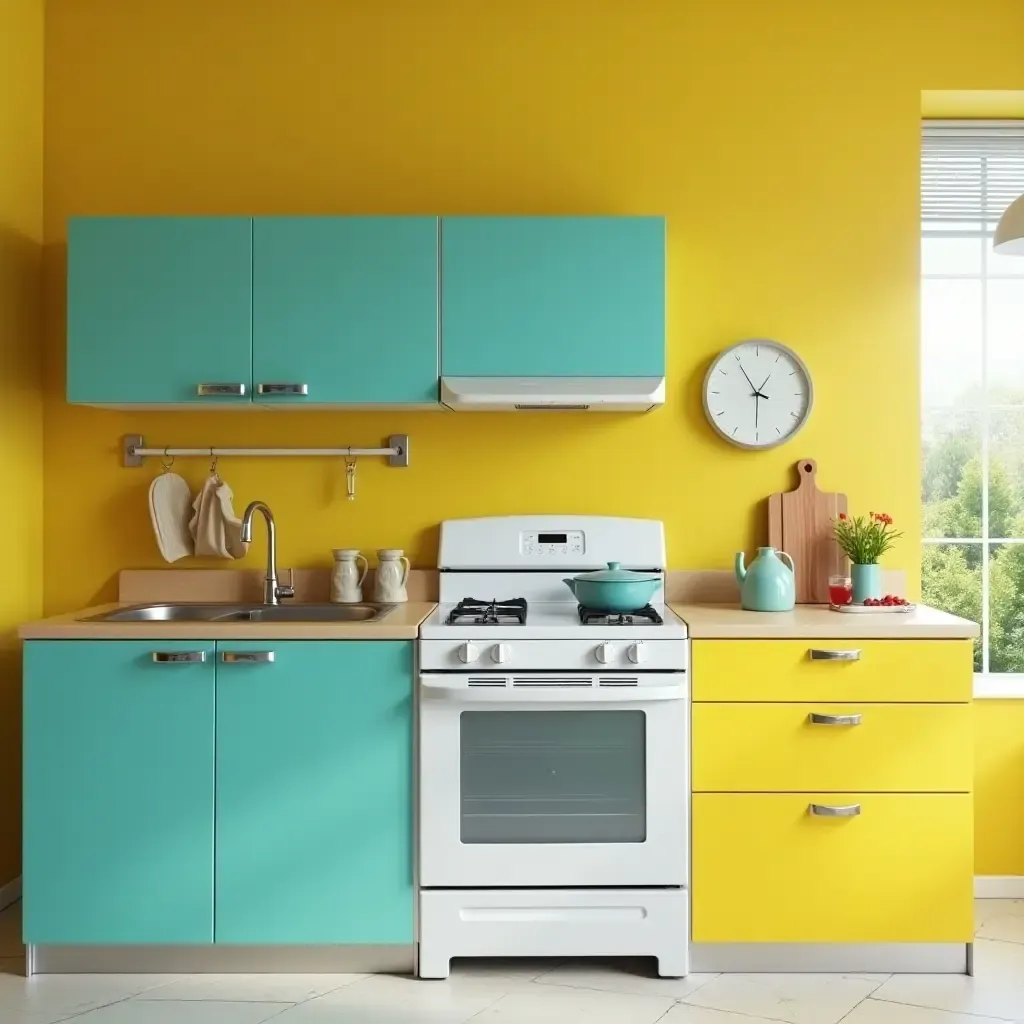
x,y
842,515
882,517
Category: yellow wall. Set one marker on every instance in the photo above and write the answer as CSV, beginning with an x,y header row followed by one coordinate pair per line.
x,y
781,140
21,423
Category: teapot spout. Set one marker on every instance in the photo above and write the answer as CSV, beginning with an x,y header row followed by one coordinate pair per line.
x,y
571,584
741,569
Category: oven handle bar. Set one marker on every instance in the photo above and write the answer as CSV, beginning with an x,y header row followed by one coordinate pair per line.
x,y
571,692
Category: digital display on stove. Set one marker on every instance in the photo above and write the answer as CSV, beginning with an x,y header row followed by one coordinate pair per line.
x,y
552,538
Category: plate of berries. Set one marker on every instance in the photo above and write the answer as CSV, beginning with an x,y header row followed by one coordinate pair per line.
x,y
872,605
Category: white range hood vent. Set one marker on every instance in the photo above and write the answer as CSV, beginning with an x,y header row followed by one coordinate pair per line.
x,y
594,394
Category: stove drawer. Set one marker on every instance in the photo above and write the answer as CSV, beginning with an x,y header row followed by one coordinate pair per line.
x,y
832,747
553,922
921,671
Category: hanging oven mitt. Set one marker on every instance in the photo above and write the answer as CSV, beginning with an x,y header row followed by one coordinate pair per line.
x,y
214,527
168,509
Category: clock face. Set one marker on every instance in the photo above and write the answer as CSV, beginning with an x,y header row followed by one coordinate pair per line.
x,y
757,394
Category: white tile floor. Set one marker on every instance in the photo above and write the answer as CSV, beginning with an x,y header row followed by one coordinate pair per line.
x,y
527,992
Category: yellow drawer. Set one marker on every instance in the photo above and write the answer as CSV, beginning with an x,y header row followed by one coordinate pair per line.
x,y
765,870
929,671
776,747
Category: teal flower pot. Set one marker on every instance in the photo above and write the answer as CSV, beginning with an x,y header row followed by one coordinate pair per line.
x,y
867,582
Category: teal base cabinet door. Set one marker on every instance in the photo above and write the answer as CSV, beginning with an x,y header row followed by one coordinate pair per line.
x,y
159,309
314,797
553,297
118,787
345,310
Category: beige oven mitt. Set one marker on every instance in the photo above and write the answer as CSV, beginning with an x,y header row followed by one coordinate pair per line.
x,y
214,527
169,498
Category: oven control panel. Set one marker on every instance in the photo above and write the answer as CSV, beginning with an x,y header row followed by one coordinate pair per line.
x,y
554,544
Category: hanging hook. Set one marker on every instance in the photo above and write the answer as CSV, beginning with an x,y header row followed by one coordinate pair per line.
x,y
214,459
350,477
163,462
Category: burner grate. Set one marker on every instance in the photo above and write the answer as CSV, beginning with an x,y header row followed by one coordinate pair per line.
x,y
641,617
488,613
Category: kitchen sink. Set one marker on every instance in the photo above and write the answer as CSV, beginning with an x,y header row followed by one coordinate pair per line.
x,y
192,612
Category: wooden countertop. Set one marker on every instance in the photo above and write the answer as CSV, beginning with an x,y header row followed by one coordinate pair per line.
x,y
400,624
730,622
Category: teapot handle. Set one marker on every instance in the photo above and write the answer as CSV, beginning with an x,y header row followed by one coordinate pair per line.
x,y
366,567
405,575
792,567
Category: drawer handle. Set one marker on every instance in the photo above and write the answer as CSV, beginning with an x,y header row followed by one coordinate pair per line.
x,y
820,655
834,810
816,719
179,657
282,389
247,657
218,390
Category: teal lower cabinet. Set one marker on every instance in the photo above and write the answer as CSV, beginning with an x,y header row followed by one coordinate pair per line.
x,y
118,792
314,792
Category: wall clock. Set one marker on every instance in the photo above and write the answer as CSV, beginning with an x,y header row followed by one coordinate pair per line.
x,y
758,394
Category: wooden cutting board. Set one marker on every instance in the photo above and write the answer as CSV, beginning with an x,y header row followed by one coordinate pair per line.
x,y
800,523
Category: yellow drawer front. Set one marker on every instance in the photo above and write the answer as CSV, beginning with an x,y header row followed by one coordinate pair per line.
x,y
775,747
928,671
765,870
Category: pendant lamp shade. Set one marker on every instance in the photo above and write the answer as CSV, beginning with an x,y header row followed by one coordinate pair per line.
x,y
1009,237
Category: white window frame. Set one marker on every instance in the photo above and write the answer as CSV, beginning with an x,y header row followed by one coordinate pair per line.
x,y
986,683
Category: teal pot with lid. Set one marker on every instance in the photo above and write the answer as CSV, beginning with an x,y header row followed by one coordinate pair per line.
x,y
614,589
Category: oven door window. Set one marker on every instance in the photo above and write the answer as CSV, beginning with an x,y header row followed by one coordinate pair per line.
x,y
553,776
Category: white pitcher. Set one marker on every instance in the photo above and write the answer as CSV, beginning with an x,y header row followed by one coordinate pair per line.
x,y
346,579
392,573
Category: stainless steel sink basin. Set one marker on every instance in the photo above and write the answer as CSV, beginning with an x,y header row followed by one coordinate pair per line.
x,y
189,612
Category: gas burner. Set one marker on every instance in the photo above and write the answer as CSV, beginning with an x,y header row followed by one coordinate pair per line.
x,y
641,617
488,613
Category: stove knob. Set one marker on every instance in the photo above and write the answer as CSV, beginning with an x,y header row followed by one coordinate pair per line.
x,y
501,653
605,653
468,653
637,653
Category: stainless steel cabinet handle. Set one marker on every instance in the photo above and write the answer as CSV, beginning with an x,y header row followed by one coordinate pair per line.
x,y
247,657
282,389
834,810
179,657
816,719
219,390
820,655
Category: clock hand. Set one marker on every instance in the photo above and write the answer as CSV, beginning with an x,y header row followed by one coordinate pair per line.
x,y
765,381
749,381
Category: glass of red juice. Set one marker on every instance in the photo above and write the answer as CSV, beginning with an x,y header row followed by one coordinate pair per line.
x,y
840,589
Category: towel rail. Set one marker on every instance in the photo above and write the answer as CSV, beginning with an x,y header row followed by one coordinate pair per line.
x,y
134,450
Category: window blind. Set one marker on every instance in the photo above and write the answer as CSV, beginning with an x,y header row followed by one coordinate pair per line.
x,y
970,172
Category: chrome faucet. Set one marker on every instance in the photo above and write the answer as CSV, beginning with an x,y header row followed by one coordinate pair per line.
x,y
272,593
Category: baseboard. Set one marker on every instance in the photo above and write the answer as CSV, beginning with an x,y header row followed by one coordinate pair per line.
x,y
994,887
830,958
10,893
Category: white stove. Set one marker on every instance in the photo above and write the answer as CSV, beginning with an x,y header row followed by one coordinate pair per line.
x,y
553,750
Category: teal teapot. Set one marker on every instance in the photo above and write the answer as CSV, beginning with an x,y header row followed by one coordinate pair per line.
x,y
769,584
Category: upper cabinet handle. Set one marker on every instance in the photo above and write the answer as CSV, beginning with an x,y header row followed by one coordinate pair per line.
x,y
282,389
179,657
815,719
820,655
219,390
247,657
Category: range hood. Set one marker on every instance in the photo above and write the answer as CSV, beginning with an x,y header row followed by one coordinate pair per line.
x,y
596,394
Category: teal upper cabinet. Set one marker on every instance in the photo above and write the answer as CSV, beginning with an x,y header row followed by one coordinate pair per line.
x,y
158,307
553,296
118,780
314,797
347,307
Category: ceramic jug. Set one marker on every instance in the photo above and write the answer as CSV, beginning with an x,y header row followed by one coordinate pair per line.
x,y
346,577
392,572
769,584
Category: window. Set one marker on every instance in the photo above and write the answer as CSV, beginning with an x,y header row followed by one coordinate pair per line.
x,y
972,380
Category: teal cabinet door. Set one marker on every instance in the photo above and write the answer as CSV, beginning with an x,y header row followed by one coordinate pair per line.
x,y
314,801
118,792
347,307
553,296
158,307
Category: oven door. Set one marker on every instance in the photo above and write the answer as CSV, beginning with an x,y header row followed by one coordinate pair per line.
x,y
553,780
